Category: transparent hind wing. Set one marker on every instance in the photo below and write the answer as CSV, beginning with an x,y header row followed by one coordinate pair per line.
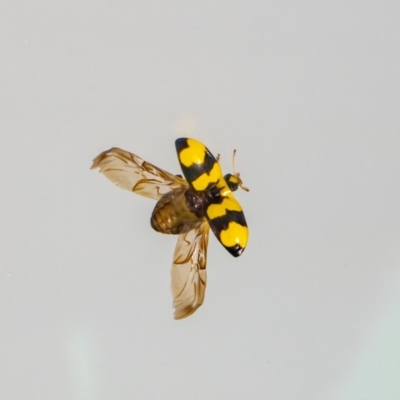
x,y
188,272
130,172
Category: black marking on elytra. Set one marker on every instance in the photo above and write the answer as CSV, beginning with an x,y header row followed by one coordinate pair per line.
x,y
196,170
181,144
235,250
221,223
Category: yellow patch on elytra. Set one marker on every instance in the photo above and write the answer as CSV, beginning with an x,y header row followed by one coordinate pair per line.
x,y
235,234
218,210
194,154
204,179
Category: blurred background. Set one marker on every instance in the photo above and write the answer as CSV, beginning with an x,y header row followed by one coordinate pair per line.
x,y
307,92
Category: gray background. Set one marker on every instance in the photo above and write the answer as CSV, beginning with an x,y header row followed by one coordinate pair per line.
x,y
308,92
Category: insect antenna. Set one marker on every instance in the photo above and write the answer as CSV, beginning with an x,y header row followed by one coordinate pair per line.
x,y
237,174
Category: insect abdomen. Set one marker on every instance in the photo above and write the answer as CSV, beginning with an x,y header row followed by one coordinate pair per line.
x,y
171,214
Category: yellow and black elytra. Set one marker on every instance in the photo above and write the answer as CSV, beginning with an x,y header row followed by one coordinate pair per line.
x,y
186,207
216,202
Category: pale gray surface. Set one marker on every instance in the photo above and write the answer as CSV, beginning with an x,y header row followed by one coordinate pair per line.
x,y
309,94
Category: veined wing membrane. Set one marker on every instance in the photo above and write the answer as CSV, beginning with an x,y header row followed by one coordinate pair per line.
x,y
188,272
130,172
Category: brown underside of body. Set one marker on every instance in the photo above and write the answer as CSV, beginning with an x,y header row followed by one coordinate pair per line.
x,y
172,213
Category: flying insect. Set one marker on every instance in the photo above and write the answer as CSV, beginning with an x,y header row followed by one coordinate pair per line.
x,y
186,206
